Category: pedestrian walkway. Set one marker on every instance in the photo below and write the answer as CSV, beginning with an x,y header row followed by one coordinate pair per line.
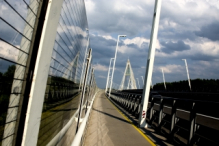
x,y
108,127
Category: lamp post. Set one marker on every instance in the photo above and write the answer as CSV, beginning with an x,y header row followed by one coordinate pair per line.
x,y
187,70
108,74
142,80
138,83
164,80
114,63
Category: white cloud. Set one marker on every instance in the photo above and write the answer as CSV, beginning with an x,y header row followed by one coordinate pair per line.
x,y
108,37
170,68
8,52
103,77
89,6
100,67
137,40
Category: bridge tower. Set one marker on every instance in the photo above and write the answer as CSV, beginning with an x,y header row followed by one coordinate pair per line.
x,y
128,80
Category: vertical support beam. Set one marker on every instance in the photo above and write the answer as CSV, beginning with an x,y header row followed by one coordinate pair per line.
x,y
160,111
91,82
91,85
82,74
40,75
150,63
173,118
151,110
84,87
192,123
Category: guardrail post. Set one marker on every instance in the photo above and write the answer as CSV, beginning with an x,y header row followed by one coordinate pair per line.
x,y
173,118
91,84
151,110
160,113
84,88
192,123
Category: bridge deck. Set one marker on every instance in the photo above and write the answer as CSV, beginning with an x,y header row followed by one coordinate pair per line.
x,y
108,127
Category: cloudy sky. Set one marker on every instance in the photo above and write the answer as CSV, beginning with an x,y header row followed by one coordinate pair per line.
x,y
188,29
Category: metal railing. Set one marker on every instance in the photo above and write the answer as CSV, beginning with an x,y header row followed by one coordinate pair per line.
x,y
183,118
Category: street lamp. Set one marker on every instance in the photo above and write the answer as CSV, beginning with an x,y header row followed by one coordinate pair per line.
x,y
115,62
138,83
187,70
142,80
164,80
107,81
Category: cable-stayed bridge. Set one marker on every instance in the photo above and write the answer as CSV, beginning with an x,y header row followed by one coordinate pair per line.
x,y
49,96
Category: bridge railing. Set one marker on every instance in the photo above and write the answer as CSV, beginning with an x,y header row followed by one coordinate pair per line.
x,y
181,118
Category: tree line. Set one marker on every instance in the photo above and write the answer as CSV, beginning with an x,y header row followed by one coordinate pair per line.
x,y
197,85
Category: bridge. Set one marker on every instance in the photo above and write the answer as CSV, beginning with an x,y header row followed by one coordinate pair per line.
x,y
49,95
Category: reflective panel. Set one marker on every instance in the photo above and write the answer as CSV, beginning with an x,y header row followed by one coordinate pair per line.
x,y
62,95
17,21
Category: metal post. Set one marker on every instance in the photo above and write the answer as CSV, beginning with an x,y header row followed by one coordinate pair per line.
x,y
107,81
164,80
150,63
160,112
192,123
82,74
138,83
84,87
114,63
187,70
151,113
151,84
173,119
40,74
142,80
89,92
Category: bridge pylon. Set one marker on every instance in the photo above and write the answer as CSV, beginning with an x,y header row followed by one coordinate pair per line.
x,y
128,79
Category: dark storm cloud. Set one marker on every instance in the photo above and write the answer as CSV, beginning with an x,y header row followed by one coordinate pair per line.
x,y
171,47
132,45
176,34
9,34
210,31
114,20
202,57
102,48
4,65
